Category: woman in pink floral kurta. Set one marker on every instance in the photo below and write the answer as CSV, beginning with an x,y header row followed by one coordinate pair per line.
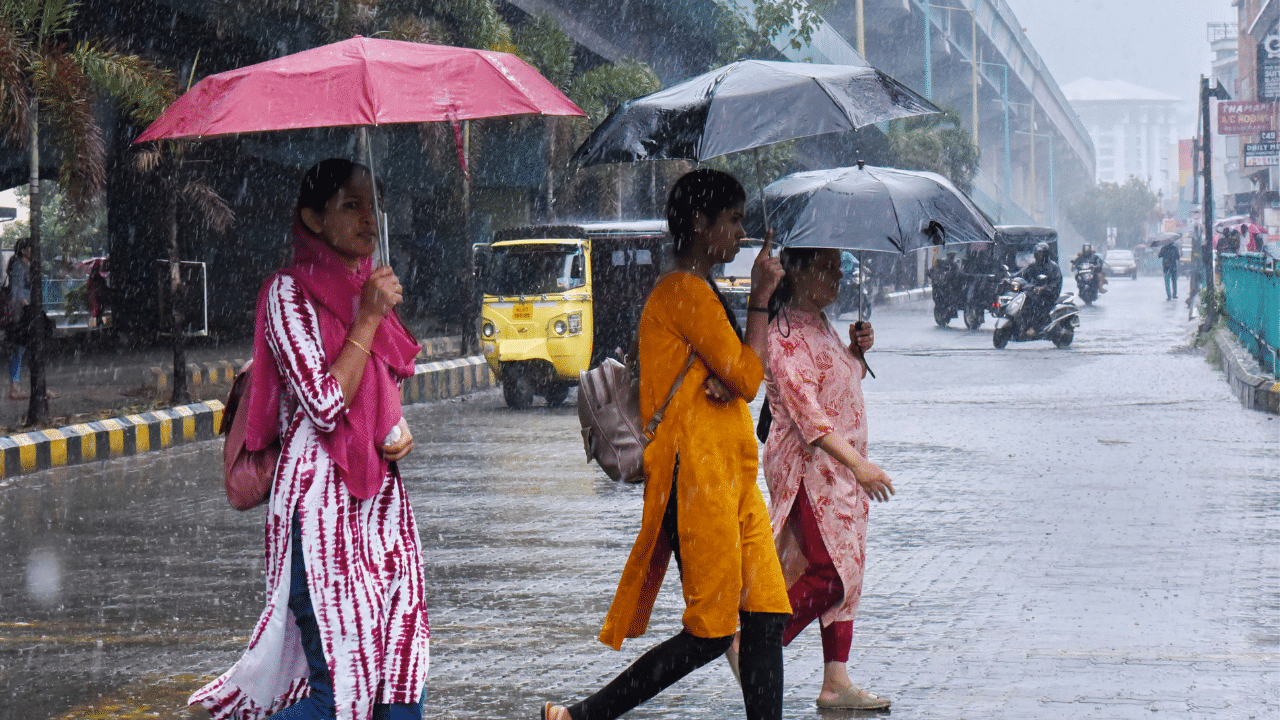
x,y
815,463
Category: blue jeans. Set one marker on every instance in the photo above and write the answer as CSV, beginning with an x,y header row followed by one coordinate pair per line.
x,y
15,362
319,704
1171,283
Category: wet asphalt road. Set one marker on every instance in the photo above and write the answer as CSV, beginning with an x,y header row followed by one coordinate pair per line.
x,y
1082,533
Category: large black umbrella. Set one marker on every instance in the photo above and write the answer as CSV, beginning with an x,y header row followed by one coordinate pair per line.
x,y
748,104
874,209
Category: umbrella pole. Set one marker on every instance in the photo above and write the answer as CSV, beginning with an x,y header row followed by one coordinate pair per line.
x,y
862,358
764,209
861,276
383,254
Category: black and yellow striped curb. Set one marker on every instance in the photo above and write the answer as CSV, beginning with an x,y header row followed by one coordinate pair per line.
x,y
197,373
224,371
110,438
134,434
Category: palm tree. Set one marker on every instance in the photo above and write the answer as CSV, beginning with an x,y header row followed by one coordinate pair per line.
x,y
39,72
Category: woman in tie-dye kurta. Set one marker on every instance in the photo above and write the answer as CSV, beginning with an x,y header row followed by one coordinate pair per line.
x,y
815,463
344,634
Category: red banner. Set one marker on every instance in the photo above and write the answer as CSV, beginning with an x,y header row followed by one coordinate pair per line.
x,y
1244,118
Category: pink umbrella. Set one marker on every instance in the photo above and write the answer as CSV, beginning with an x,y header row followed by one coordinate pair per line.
x,y
361,82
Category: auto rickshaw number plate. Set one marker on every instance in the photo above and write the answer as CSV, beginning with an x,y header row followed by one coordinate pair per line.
x,y
522,311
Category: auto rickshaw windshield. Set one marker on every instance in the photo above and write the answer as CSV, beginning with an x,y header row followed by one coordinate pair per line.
x,y
535,269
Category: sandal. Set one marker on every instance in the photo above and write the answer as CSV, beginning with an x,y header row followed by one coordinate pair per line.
x,y
854,698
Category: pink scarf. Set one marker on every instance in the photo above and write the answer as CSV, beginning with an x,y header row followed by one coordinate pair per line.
x,y
335,292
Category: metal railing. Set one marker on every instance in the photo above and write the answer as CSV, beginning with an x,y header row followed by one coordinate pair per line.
x,y
1252,306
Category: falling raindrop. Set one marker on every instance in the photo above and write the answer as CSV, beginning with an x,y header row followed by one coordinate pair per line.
x,y
44,576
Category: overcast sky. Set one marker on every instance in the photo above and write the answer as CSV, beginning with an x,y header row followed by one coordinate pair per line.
x,y
1159,44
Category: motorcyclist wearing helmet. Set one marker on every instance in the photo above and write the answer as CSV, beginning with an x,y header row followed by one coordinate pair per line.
x,y
1088,257
1041,294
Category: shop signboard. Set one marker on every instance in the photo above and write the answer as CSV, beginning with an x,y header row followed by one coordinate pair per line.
x,y
1269,66
1239,117
1261,154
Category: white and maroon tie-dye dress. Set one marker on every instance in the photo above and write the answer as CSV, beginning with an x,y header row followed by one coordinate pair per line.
x,y
363,557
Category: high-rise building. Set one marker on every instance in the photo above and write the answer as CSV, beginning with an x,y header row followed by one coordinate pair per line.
x,y
1132,128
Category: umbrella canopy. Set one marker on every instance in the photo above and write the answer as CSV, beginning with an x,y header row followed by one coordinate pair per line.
x,y
871,209
748,104
1165,238
361,81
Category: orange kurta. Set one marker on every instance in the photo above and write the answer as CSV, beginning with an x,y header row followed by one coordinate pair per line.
x,y
726,544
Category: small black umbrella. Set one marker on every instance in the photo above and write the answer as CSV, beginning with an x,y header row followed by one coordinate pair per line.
x,y
873,209
745,105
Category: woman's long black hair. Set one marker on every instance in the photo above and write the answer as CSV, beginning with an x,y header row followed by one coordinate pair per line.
x,y
793,259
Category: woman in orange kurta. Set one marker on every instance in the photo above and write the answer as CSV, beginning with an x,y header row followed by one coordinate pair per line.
x,y
701,500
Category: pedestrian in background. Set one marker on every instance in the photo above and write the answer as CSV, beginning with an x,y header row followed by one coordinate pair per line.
x,y
1169,255
815,463
344,633
701,501
19,332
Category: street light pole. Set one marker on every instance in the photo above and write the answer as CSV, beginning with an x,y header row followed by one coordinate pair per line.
x,y
928,49
1008,162
1206,140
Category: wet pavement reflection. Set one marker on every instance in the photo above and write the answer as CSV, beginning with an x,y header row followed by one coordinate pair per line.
x,y
1088,532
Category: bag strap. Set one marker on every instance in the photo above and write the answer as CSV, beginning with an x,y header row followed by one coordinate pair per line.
x,y
657,417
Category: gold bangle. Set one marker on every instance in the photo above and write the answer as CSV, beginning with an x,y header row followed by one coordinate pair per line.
x,y
361,347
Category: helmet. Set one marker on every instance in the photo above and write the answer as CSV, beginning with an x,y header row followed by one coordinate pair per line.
x,y
1042,252
1087,249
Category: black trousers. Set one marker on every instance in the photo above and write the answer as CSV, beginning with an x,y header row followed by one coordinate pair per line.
x,y
760,657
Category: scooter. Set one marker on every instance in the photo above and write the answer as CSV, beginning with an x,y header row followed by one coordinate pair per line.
x,y
1011,324
1088,283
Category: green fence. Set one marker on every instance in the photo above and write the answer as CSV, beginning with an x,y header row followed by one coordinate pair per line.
x,y
1253,305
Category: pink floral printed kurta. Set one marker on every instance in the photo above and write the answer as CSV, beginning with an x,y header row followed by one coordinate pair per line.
x,y
363,557
814,386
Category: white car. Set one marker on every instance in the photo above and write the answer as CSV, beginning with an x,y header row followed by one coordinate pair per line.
x,y
1120,262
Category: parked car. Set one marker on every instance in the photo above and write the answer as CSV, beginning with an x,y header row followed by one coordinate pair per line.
x,y
1120,262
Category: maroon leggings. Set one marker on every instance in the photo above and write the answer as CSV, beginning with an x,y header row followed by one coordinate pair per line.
x,y
818,589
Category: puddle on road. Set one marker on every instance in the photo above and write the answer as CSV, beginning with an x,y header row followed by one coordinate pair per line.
x,y
161,696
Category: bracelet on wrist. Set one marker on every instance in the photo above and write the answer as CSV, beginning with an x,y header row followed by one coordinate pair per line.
x,y
360,347
757,308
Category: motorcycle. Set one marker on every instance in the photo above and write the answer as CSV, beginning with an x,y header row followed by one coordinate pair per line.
x,y
852,294
980,299
948,295
1013,325
1088,282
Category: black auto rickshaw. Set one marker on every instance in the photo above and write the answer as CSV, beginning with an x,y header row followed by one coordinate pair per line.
x,y
986,265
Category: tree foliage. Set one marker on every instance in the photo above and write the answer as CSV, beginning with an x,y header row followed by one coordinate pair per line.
x,y
36,63
936,143
1125,207
547,47
795,20
73,236
599,91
